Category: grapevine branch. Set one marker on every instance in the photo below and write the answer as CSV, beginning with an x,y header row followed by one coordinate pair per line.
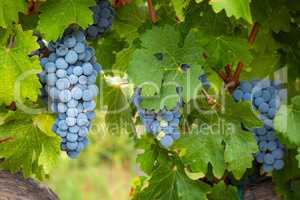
x,y
253,33
120,3
33,7
12,106
152,12
230,78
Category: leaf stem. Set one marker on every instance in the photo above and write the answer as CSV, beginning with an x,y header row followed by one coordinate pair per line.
x,y
152,12
253,33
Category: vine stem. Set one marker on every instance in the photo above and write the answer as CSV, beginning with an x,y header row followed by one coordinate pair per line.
x,y
253,33
152,12
230,78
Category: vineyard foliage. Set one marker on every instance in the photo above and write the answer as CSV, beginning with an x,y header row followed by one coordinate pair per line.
x,y
162,51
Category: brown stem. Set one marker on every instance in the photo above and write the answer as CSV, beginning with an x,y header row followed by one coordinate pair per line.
x,y
228,70
231,80
12,106
253,33
120,3
238,71
152,12
3,140
222,75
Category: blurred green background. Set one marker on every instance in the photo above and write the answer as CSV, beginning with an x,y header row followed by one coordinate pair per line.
x,y
104,171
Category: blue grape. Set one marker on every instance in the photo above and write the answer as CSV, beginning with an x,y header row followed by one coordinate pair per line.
x,y
278,153
73,79
87,69
258,101
72,112
69,41
69,77
103,15
77,70
51,79
268,158
204,80
237,95
267,168
260,158
65,96
61,63
185,67
76,93
71,121
271,146
61,73
61,50
72,145
246,86
166,141
83,80
79,47
278,164
163,124
266,99
62,83
264,107
50,67
74,129
71,57
247,96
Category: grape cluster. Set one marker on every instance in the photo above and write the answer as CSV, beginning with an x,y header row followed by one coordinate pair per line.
x,y
103,15
163,125
266,97
69,77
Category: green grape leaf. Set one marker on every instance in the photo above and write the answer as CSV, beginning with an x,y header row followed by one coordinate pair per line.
x,y
202,17
158,76
118,114
209,147
236,8
287,180
224,50
147,159
287,121
54,17
18,71
123,58
106,49
128,21
240,147
242,112
221,191
9,11
271,14
167,98
27,147
180,6
146,72
264,54
171,183
227,148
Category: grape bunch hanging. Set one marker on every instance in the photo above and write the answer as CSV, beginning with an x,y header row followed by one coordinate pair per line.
x,y
266,97
103,15
163,125
69,79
